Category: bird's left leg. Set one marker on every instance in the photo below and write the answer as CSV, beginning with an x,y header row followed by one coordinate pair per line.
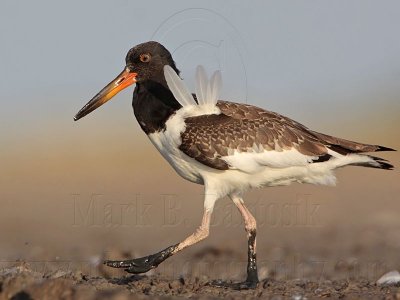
x,y
144,264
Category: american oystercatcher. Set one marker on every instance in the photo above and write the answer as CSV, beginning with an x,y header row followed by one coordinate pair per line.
x,y
227,147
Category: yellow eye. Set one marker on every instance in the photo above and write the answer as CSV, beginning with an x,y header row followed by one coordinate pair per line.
x,y
145,57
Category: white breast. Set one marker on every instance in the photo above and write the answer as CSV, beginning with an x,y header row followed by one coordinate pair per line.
x,y
169,140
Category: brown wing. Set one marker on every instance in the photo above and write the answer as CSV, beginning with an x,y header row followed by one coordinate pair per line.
x,y
244,128
343,146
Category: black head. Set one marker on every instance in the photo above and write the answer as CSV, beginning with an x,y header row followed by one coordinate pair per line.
x,y
144,62
148,60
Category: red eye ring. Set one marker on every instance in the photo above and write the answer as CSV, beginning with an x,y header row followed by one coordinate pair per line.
x,y
145,57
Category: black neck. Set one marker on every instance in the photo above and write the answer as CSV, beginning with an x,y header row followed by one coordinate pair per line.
x,y
153,103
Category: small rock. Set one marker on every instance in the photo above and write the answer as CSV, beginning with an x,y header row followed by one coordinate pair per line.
x,y
392,277
175,285
78,275
57,274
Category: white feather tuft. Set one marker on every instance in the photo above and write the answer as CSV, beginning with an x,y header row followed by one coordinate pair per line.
x,y
201,85
207,92
177,87
215,87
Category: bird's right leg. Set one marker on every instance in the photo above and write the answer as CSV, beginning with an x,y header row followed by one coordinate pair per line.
x,y
146,263
250,227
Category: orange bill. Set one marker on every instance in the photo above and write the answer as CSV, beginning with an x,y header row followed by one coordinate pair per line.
x,y
123,80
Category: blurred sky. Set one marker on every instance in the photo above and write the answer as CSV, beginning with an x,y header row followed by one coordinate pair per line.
x,y
331,65
298,58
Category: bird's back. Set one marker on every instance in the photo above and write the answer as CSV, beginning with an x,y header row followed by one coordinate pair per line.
x,y
247,137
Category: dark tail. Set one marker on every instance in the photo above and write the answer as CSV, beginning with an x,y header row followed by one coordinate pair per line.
x,y
345,147
378,163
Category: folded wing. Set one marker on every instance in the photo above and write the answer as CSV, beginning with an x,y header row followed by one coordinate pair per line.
x,y
248,138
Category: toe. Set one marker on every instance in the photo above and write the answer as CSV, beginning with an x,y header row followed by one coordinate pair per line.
x,y
118,263
134,266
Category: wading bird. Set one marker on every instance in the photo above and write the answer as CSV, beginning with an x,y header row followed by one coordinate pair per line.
x,y
227,147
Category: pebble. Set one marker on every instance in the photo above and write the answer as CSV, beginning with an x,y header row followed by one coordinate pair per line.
x,y
392,277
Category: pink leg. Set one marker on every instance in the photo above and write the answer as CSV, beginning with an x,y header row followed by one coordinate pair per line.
x,y
251,228
144,264
200,234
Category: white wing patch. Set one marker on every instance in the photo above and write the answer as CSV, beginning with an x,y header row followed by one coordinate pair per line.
x,y
252,162
207,92
214,88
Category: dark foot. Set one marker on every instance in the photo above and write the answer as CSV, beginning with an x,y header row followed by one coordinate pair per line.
x,y
143,264
134,266
246,285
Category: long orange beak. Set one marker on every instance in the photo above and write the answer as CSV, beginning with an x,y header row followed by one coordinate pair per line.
x,y
123,80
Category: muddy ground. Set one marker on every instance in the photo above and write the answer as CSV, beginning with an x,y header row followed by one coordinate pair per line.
x,y
346,269
23,282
